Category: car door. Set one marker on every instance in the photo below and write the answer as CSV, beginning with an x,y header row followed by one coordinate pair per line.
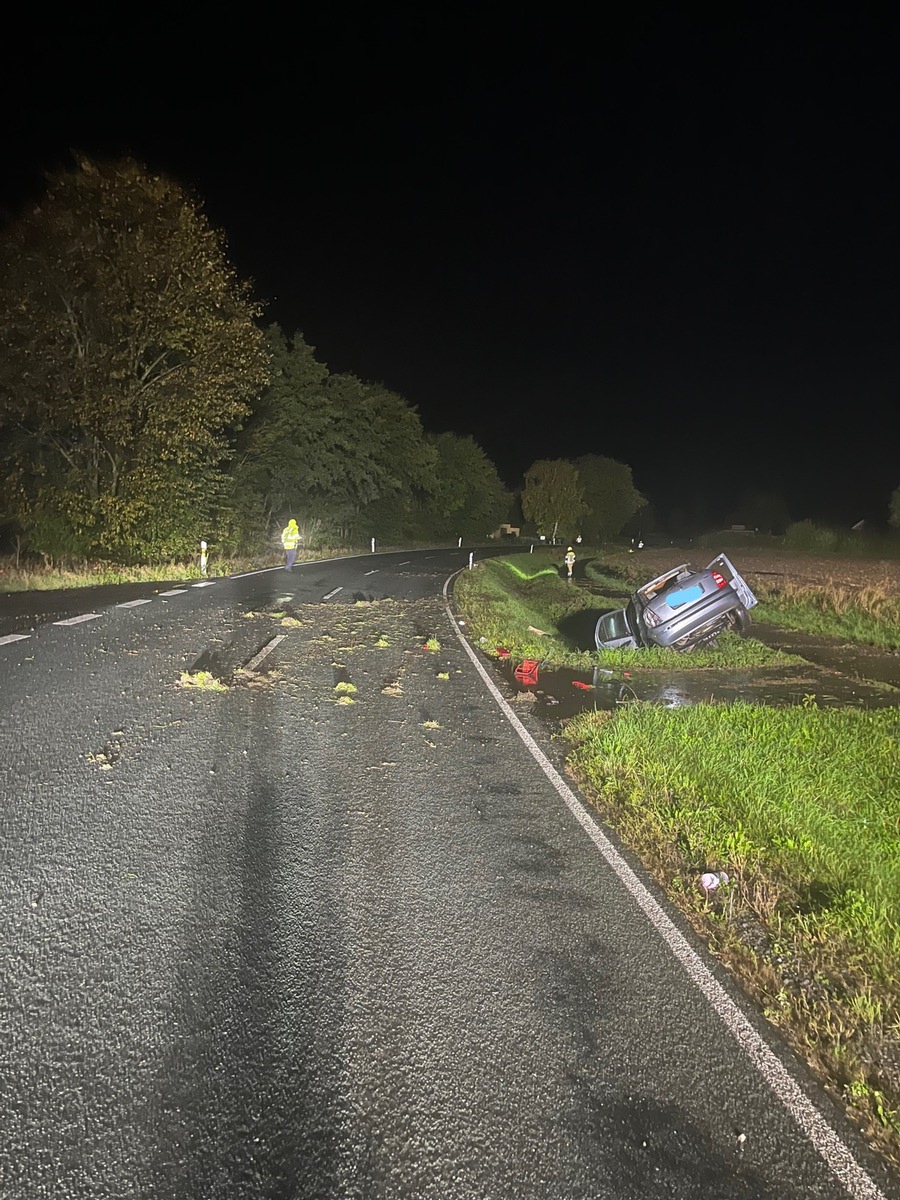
x,y
726,567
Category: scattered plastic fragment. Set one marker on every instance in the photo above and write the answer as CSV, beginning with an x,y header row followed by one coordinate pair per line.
x,y
585,687
502,652
527,671
710,880
540,632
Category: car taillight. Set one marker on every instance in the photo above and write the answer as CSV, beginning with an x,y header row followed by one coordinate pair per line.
x,y
651,618
721,581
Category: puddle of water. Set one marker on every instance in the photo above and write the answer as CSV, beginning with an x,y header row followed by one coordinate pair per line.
x,y
557,693
863,662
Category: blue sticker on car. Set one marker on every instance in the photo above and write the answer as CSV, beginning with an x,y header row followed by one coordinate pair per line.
x,y
685,596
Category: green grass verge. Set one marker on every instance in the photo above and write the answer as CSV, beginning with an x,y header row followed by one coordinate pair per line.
x,y
827,612
801,807
91,574
504,600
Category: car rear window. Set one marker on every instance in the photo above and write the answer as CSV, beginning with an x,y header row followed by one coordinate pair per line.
x,y
684,596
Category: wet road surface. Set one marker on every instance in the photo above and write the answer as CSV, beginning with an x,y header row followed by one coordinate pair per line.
x,y
263,943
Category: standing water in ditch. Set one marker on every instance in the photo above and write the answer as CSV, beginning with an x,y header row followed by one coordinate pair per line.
x,y
561,692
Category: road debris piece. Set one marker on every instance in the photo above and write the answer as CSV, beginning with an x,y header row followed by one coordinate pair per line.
x,y
710,880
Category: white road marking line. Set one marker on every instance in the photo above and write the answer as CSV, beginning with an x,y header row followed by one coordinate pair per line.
x,y
14,637
838,1156
264,653
264,571
375,572
309,562
405,564
174,592
133,603
205,583
78,620
334,593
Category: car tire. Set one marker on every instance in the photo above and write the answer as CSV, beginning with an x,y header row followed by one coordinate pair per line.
x,y
739,621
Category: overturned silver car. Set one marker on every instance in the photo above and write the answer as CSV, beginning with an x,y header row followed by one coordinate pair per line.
x,y
683,609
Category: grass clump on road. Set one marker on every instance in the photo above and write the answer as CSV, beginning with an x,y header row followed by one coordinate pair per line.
x,y
801,807
203,680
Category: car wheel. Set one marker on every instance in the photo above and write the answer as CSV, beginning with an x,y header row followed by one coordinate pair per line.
x,y
739,621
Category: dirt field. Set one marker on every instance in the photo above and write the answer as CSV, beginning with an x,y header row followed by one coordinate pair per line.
x,y
772,566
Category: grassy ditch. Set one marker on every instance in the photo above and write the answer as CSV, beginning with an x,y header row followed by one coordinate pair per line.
x,y
868,615
521,603
801,807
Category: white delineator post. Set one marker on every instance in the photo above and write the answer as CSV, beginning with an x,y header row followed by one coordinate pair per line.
x,y
471,558
373,545
459,544
204,558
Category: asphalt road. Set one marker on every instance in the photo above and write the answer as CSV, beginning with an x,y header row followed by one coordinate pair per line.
x,y
262,943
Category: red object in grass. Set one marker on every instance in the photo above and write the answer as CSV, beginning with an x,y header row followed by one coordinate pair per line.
x,y
627,674
585,687
502,652
527,671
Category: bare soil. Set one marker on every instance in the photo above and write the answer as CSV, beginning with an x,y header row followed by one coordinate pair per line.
x,y
783,565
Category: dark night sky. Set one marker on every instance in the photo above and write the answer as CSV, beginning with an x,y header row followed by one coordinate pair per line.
x,y
672,239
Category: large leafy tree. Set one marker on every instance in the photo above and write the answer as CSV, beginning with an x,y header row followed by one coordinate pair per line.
x,y
401,462
553,497
611,498
131,356
467,498
279,449
345,457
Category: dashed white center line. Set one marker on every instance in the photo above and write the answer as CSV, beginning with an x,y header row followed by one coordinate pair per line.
x,y
334,593
266,650
375,572
14,637
205,583
405,564
78,620
133,603
174,592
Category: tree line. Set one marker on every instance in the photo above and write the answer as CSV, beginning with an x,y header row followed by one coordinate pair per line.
x,y
143,405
